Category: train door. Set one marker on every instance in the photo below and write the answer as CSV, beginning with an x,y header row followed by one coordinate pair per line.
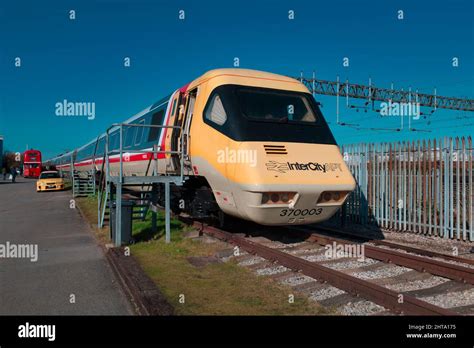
x,y
177,139
170,137
185,140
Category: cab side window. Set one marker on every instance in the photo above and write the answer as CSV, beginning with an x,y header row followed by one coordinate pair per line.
x,y
215,111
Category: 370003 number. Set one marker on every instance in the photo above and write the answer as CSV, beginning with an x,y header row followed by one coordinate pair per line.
x,y
301,212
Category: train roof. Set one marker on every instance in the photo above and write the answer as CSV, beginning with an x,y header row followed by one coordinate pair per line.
x,y
137,116
60,155
237,72
131,119
241,73
87,144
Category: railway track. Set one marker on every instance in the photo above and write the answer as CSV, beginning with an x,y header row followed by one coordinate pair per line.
x,y
422,264
383,296
392,245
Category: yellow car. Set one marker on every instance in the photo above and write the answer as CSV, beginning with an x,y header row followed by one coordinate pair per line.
x,y
49,181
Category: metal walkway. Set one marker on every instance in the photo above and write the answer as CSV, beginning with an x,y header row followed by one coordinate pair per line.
x,y
114,181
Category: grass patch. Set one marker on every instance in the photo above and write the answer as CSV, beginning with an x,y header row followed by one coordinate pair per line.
x,y
214,289
222,288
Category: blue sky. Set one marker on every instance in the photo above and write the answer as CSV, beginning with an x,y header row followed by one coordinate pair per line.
x,y
82,59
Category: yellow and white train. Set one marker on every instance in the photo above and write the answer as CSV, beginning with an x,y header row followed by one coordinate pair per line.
x,y
256,147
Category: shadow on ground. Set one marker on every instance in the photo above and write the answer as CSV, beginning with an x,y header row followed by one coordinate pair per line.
x,y
146,233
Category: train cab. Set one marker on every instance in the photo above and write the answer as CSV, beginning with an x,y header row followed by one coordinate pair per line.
x,y
265,149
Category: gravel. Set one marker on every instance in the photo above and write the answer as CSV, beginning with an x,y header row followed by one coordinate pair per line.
x,y
296,280
276,245
417,284
315,258
325,293
452,299
360,308
302,251
383,272
272,270
295,244
251,261
350,264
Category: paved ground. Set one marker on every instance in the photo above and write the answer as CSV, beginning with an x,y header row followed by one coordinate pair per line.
x,y
69,259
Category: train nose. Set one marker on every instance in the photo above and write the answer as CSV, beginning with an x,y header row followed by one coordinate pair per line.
x,y
301,205
291,183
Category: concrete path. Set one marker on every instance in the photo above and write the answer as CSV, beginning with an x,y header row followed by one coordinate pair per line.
x,y
70,264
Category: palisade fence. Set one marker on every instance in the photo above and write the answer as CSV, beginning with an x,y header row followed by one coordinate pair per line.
x,y
421,187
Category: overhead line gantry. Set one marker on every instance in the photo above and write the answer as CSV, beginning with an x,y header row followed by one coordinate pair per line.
x,y
373,93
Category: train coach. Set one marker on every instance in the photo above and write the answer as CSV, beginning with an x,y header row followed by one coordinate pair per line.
x,y
253,145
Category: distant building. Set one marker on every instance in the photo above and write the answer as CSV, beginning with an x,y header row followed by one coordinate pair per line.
x,y
1,150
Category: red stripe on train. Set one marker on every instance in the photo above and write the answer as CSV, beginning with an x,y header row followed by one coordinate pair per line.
x,y
126,159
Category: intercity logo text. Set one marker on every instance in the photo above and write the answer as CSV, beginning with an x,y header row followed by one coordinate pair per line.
x,y
312,166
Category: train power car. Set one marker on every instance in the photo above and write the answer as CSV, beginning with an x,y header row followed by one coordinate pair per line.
x,y
31,163
254,145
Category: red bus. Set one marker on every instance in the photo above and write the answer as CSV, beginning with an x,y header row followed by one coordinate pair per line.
x,y
31,163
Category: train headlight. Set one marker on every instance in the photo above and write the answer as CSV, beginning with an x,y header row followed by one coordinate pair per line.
x,y
277,197
332,196
327,196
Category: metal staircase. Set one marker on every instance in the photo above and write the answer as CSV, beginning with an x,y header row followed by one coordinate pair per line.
x,y
83,184
141,206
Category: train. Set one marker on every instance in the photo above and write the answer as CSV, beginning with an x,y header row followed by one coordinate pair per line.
x,y
252,145
32,164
